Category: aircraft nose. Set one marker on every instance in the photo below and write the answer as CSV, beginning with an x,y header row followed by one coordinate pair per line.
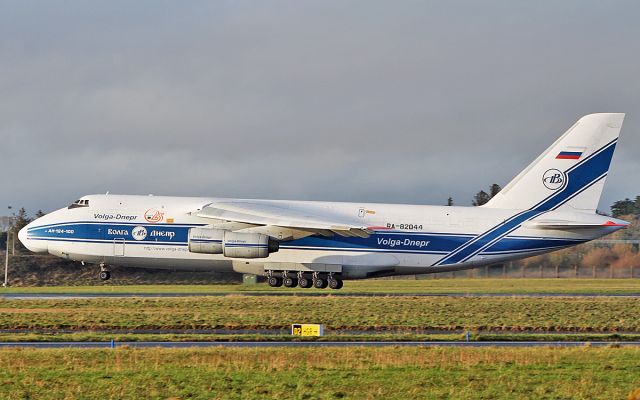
x,y
32,245
22,235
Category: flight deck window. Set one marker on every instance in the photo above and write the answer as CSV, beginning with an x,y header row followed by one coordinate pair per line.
x,y
79,203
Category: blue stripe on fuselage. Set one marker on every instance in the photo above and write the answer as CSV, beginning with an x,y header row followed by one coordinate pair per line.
x,y
110,231
386,242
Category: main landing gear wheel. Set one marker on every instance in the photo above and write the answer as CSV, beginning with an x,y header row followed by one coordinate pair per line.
x,y
335,283
105,275
290,282
274,281
320,283
305,283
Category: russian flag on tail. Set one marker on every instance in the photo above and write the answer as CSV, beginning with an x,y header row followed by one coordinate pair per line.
x,y
569,155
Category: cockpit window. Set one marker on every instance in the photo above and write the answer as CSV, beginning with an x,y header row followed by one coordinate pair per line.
x,y
79,203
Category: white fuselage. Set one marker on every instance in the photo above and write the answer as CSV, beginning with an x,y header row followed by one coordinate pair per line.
x,y
152,231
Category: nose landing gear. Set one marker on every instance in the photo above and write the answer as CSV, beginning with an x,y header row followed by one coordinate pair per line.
x,y
104,274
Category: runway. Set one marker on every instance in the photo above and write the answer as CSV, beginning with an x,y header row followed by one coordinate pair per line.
x,y
103,345
58,296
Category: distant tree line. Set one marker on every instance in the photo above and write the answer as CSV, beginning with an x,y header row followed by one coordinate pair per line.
x,y
626,207
618,209
481,197
19,220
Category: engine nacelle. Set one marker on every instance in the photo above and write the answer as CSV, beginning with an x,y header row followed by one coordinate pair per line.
x,y
248,245
231,244
206,240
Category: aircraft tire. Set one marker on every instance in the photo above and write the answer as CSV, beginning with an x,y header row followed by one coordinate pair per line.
x,y
290,282
104,275
335,283
305,283
320,283
274,281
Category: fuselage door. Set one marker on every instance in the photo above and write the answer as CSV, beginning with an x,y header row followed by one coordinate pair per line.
x,y
118,247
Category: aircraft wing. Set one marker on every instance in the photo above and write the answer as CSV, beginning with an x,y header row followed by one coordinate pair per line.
x,y
288,222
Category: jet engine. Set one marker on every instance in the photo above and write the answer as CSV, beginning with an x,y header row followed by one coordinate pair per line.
x,y
231,244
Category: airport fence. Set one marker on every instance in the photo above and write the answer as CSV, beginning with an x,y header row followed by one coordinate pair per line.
x,y
596,260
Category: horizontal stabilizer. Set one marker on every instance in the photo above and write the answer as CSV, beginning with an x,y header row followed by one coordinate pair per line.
x,y
564,224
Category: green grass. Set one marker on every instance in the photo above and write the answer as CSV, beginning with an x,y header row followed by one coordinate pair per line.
x,y
519,314
435,286
326,373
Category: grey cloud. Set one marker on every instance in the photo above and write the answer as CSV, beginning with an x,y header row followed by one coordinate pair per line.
x,y
365,101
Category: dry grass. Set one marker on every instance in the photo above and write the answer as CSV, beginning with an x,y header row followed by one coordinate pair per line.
x,y
282,359
522,314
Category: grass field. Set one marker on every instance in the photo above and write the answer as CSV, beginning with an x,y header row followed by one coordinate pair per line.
x,y
327,373
435,286
119,338
408,313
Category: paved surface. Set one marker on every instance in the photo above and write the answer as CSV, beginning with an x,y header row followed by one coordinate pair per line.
x,y
51,345
56,296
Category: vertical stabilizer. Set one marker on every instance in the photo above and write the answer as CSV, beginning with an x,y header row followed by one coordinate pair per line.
x,y
571,173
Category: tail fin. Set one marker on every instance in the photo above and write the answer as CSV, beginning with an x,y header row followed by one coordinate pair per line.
x,y
570,174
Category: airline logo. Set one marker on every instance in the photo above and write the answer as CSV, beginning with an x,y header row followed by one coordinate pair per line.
x,y
569,155
553,179
139,233
153,215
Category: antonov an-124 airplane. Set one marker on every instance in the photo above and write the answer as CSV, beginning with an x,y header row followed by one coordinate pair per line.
x,y
550,205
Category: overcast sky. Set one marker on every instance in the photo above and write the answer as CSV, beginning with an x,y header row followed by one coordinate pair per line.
x,y
390,101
